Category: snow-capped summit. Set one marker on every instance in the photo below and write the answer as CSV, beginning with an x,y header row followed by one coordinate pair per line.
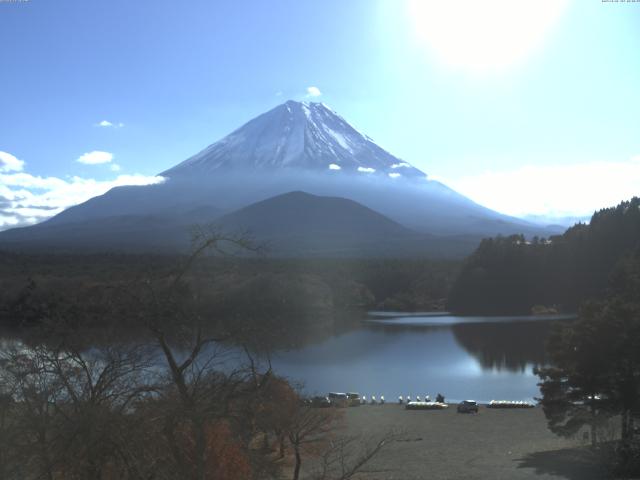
x,y
295,135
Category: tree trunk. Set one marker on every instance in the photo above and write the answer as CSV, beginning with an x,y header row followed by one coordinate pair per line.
x,y
201,473
296,471
94,473
281,443
42,444
594,440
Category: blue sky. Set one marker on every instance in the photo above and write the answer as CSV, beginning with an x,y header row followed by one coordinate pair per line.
x,y
533,112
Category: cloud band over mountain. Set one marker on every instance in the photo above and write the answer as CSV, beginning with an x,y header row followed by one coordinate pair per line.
x,y
26,199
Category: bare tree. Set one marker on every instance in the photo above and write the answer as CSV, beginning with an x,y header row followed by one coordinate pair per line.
x,y
198,393
70,407
191,403
308,429
348,456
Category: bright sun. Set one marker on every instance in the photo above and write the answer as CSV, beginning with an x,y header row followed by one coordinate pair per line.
x,y
484,35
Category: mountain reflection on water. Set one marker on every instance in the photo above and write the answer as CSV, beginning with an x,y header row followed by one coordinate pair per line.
x,y
391,354
464,357
512,343
511,346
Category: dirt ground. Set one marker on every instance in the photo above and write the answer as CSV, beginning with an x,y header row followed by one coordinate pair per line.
x,y
493,444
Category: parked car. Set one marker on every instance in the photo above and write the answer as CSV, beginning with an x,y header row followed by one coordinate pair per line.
x,y
353,399
320,402
468,406
338,399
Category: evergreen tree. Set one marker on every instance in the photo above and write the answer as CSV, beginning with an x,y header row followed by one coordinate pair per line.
x,y
595,372
509,275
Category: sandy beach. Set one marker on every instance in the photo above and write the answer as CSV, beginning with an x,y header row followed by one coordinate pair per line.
x,y
495,444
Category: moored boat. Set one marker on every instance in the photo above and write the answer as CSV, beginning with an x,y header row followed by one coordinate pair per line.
x,y
426,406
509,404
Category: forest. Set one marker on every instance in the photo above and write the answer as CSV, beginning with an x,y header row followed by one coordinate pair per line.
x,y
514,275
592,378
297,299
152,375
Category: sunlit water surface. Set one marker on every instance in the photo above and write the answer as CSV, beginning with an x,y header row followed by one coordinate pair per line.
x,y
392,354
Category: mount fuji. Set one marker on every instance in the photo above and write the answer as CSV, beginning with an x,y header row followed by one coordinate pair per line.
x,y
295,135
300,147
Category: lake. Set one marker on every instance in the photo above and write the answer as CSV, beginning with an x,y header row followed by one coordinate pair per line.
x,y
392,353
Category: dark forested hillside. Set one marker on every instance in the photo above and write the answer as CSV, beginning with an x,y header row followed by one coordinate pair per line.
x,y
287,292
511,275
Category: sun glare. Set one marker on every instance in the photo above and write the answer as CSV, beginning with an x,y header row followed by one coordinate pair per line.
x,y
484,35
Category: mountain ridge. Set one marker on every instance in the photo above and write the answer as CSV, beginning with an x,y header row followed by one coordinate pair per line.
x,y
292,147
294,224
300,211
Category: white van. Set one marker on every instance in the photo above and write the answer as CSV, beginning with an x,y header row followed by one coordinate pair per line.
x,y
338,399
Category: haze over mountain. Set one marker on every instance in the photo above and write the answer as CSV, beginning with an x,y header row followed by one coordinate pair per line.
x,y
565,221
296,146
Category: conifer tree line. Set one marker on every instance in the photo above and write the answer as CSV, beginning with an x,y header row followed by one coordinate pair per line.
x,y
513,275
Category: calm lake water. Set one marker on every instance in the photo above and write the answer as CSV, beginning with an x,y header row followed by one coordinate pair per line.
x,y
391,354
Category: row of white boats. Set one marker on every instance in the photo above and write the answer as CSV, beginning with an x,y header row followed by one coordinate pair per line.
x,y
509,404
354,399
420,403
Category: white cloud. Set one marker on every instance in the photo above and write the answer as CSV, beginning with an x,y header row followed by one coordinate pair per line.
x,y
333,166
9,163
95,157
437,178
394,175
366,169
401,165
114,167
26,199
313,92
554,190
28,181
108,124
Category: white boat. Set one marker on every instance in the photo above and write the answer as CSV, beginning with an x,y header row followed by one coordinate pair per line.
x,y
509,404
426,406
